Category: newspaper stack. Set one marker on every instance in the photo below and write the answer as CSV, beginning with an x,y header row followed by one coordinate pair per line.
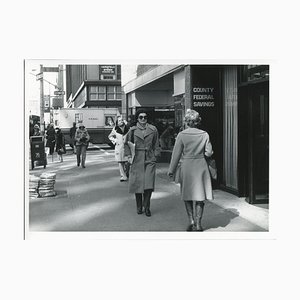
x,y
46,185
33,186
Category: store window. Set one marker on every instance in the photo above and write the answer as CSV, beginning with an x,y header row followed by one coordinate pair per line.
x,y
97,93
253,73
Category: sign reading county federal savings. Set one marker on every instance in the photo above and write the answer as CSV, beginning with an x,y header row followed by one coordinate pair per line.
x,y
111,69
203,97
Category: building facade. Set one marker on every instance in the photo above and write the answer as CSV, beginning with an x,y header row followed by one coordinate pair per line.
x,y
93,86
233,101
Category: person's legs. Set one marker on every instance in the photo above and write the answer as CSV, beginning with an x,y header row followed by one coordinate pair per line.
x,y
78,153
74,148
139,203
198,214
122,171
61,158
83,155
146,204
190,213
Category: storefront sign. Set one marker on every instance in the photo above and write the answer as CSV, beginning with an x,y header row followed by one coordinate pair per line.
x,y
111,69
203,97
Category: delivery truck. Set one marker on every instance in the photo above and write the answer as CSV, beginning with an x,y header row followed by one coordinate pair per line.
x,y
98,121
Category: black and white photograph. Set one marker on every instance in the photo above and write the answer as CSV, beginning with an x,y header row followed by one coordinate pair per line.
x,y
155,147
149,150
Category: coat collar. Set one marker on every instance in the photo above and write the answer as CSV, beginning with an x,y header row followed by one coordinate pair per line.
x,y
139,133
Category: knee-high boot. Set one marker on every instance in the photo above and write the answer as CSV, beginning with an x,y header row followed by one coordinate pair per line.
x,y
147,197
198,215
190,213
139,203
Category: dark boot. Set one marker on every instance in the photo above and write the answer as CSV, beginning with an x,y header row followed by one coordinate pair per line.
x,y
147,197
78,160
198,215
190,213
139,203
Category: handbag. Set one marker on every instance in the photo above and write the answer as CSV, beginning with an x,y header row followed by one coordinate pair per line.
x,y
61,151
212,167
178,176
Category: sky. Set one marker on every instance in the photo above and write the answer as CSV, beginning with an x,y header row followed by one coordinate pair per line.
x,y
32,86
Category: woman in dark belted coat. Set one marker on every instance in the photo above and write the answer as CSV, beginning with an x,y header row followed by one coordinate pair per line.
x,y
145,139
191,147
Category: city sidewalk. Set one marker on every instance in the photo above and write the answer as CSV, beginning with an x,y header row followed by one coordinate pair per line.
x,y
94,199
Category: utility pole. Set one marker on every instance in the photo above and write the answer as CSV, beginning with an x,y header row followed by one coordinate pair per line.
x,y
42,121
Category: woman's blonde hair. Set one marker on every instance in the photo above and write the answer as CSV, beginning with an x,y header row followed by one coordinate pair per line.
x,y
192,118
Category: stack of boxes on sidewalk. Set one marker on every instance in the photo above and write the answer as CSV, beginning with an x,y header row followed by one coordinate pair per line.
x,y
46,185
33,186
42,186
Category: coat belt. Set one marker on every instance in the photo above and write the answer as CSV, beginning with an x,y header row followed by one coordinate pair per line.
x,y
141,149
193,156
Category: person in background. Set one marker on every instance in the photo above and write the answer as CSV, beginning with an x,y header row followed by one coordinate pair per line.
x,y
50,136
60,143
82,138
36,130
166,138
144,137
117,136
72,137
191,146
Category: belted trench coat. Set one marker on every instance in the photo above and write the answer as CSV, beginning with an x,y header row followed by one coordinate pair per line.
x,y
142,170
191,147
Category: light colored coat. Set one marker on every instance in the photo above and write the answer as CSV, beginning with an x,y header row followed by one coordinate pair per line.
x,y
191,146
142,170
118,139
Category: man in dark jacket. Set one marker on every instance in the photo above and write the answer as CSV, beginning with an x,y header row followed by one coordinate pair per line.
x,y
72,137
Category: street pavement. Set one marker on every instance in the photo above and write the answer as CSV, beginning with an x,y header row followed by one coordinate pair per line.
x,y
94,199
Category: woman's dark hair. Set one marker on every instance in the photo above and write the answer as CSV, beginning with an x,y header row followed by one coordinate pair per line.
x,y
140,111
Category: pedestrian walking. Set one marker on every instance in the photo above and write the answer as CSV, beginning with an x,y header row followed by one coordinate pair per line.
x,y
191,147
142,148
82,138
117,136
50,136
60,143
72,137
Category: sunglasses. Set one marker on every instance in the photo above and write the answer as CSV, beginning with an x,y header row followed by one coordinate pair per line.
x,y
143,117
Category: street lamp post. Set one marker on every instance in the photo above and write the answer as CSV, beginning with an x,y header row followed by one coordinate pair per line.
x,y
42,121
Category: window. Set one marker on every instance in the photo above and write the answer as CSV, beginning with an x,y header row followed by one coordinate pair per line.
x,y
78,117
97,93
114,93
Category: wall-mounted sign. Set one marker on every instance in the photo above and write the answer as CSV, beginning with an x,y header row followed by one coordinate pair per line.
x,y
59,93
203,97
206,100
108,69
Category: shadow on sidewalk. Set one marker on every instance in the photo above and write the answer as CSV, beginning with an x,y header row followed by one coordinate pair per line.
x,y
216,217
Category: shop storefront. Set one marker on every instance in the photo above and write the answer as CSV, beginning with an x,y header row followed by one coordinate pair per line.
x,y
233,103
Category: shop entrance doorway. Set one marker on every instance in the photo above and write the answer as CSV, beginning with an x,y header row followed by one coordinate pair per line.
x,y
258,155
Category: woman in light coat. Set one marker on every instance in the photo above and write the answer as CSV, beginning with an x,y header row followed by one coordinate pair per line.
x,y
117,136
191,146
144,137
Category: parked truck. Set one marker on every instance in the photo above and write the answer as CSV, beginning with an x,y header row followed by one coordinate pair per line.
x,y
98,121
